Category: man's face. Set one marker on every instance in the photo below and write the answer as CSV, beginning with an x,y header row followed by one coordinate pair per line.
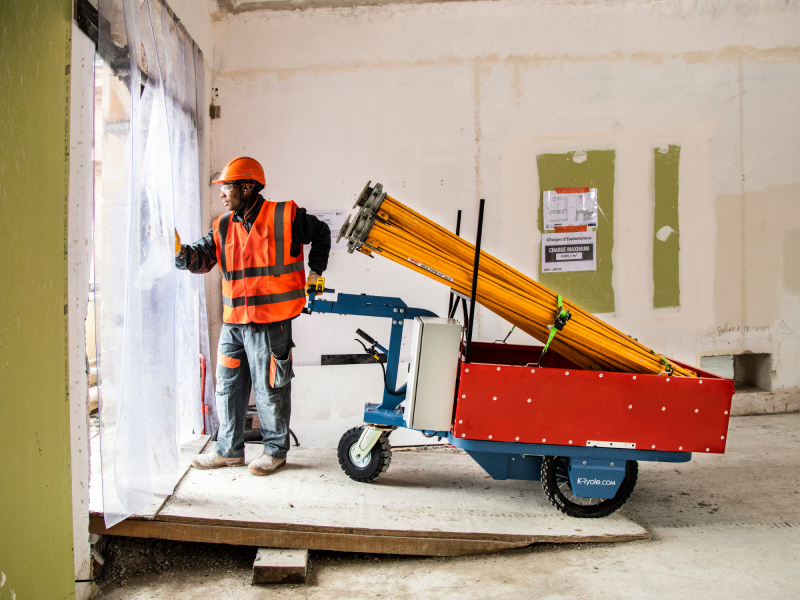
x,y
231,198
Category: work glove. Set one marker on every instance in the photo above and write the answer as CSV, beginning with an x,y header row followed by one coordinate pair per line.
x,y
311,282
178,246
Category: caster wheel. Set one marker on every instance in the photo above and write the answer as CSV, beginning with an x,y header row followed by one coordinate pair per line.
x,y
371,466
556,486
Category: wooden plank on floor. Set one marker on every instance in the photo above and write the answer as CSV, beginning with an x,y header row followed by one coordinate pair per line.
x,y
273,565
546,535
319,540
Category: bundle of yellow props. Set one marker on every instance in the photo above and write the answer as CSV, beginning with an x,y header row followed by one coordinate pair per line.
x,y
385,227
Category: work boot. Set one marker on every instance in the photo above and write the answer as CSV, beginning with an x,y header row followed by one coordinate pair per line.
x,y
215,461
265,464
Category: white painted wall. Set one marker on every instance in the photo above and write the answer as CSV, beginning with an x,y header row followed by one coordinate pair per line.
x,y
448,103
79,253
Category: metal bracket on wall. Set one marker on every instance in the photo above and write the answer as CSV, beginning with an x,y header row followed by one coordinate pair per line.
x,y
86,16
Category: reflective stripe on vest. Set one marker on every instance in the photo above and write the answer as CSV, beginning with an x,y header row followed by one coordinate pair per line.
x,y
262,282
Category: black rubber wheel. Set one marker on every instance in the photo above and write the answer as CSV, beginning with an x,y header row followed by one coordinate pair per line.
x,y
373,466
556,486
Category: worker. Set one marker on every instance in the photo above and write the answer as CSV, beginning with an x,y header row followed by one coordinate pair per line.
x,y
258,246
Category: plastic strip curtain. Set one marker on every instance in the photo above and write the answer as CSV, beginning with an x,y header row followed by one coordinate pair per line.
x,y
151,320
406,237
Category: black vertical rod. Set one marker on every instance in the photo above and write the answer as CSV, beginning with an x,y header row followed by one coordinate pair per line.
x,y
450,308
474,280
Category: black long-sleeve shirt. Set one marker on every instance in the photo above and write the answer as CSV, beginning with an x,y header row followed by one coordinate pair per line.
x,y
201,256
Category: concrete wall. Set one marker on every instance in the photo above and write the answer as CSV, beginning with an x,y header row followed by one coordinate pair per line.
x,y
448,103
35,505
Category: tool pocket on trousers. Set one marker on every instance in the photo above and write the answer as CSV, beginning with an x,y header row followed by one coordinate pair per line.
x,y
280,370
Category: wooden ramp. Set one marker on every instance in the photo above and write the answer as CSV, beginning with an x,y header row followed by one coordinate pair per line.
x,y
437,503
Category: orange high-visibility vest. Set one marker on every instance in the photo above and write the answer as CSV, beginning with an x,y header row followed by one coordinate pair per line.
x,y
261,281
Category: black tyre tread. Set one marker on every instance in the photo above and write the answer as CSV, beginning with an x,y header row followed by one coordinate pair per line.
x,y
379,463
589,512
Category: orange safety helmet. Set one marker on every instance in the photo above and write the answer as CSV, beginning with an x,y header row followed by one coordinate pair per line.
x,y
243,167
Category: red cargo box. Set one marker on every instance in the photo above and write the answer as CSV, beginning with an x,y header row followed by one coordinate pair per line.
x,y
504,397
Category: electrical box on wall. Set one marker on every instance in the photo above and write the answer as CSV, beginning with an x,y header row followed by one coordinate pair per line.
x,y
435,346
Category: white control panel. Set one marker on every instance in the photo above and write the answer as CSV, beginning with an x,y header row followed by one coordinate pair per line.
x,y
430,395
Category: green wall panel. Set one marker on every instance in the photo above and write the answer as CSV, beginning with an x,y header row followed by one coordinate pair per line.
x,y
591,290
666,271
35,502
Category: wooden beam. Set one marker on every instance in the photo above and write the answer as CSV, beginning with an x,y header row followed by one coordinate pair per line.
x,y
276,538
273,565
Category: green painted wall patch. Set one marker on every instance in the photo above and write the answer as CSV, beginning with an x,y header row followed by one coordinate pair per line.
x,y
591,290
666,240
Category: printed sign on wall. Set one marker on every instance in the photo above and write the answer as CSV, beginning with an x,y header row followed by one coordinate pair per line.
x,y
573,251
570,207
335,219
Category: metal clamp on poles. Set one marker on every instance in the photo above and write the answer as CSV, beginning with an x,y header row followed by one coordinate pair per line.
x,y
368,203
562,316
474,281
669,368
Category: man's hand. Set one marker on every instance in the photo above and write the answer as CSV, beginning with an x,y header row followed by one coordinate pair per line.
x,y
178,246
311,282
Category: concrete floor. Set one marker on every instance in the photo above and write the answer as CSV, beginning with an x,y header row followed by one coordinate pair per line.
x,y
722,527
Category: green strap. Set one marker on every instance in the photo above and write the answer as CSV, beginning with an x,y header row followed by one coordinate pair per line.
x,y
668,368
553,330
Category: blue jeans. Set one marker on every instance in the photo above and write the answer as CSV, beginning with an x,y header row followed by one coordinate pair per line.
x,y
257,355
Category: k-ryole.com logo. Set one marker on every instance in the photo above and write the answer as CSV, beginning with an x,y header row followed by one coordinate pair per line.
x,y
585,481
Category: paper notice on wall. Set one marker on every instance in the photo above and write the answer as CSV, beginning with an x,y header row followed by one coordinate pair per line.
x,y
570,207
335,219
565,252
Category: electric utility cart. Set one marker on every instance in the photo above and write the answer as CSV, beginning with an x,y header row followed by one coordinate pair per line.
x,y
521,412
580,432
